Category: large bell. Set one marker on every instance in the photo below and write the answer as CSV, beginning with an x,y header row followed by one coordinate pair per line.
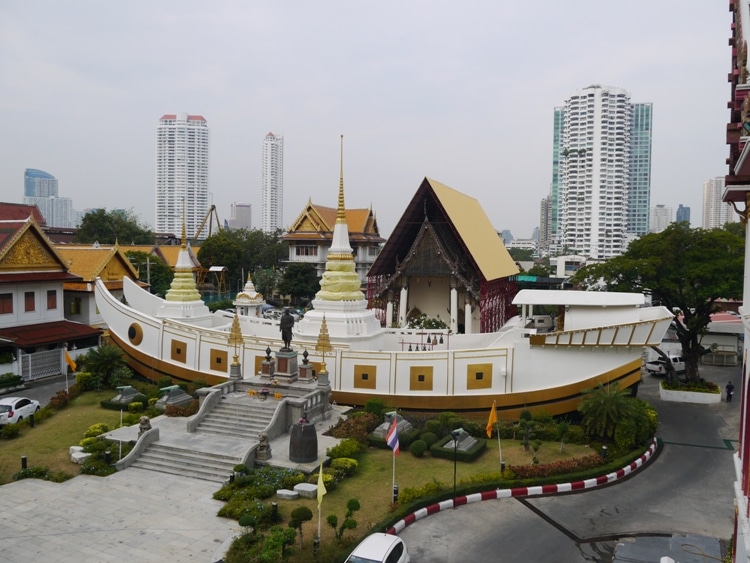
x,y
303,443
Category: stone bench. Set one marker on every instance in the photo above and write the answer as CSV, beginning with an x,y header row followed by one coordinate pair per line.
x,y
306,490
79,457
286,494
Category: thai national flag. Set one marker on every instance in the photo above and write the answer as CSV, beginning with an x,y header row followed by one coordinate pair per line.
x,y
392,437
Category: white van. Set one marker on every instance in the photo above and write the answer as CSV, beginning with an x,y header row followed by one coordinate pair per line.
x,y
380,548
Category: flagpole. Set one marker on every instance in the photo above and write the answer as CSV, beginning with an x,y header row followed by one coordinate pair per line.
x,y
393,485
499,447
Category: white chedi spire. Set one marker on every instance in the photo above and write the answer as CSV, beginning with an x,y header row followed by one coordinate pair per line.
x,y
340,301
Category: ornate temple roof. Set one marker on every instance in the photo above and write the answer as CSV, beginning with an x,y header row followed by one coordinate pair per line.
x,y
461,225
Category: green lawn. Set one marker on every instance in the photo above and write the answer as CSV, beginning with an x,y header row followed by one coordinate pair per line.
x,y
46,445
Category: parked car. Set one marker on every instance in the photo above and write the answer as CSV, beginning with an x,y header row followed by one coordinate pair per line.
x,y
380,548
659,366
15,409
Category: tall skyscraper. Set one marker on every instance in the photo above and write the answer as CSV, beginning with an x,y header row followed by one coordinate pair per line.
x,y
715,211
181,173
683,214
272,183
38,183
639,181
240,216
661,217
601,172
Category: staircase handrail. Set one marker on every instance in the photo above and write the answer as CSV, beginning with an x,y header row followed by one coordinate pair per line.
x,y
144,441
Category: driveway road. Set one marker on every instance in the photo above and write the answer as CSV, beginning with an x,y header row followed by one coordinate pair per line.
x,y
686,490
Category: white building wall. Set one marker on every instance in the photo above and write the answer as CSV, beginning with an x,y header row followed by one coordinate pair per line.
x,y
716,213
40,314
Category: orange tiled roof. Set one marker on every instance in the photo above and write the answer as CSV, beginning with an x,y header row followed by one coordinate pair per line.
x,y
90,262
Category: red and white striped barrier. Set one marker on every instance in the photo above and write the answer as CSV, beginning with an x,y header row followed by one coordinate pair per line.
x,y
408,520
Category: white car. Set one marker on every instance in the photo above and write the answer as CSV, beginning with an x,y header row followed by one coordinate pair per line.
x,y
15,409
380,548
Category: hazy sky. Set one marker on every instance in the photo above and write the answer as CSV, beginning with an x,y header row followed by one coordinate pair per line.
x,y
462,92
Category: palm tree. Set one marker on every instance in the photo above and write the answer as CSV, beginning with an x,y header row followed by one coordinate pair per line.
x,y
104,361
604,407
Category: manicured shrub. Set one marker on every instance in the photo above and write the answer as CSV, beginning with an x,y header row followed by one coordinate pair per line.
x,y
135,406
428,438
165,381
329,479
375,406
41,473
357,426
433,426
558,467
240,468
86,380
410,494
10,431
188,410
345,465
96,430
418,448
348,447
86,442
60,400
152,401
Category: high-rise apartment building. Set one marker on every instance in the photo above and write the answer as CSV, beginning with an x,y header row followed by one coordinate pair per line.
x,y
240,216
661,217
683,214
272,183
181,173
716,213
38,183
639,180
601,172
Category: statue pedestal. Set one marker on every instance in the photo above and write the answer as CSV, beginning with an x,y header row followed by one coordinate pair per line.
x,y
267,367
235,371
306,372
286,366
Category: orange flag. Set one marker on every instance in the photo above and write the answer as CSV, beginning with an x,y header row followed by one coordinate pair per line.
x,y
491,422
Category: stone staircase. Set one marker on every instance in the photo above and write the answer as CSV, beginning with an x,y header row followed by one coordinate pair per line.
x,y
237,415
187,463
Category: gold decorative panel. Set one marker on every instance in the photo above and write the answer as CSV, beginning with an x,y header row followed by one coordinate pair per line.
x,y
219,360
179,351
29,251
258,363
365,377
479,376
420,378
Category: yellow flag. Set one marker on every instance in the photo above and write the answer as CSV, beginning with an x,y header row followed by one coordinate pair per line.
x,y
321,486
70,361
491,422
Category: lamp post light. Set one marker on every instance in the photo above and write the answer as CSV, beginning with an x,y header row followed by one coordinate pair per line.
x,y
455,436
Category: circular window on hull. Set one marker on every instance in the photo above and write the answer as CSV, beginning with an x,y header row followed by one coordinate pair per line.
x,y
135,334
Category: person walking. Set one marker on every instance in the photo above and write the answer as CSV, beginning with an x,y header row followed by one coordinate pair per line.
x,y
730,391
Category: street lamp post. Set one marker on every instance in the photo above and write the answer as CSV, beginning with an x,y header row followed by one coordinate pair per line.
x,y
454,435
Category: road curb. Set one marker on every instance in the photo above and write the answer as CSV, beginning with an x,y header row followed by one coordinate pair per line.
x,y
558,488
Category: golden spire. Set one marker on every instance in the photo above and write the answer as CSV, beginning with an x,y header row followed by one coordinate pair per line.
x,y
235,337
341,211
323,344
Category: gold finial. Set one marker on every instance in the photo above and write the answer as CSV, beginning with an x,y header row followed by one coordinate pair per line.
x,y
341,212
235,338
323,344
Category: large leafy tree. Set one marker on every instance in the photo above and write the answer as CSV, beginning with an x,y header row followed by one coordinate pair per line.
x,y
107,227
299,280
153,270
686,270
242,251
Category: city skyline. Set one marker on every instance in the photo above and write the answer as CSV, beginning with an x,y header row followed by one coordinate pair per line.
x,y
467,101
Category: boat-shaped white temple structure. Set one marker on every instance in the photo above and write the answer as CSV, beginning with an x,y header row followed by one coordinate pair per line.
x,y
560,344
